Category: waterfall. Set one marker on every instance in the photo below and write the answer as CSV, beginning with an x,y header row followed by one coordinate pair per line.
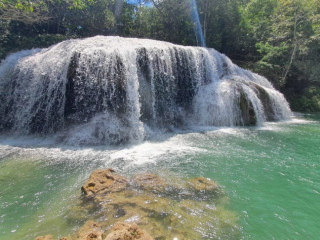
x,y
111,90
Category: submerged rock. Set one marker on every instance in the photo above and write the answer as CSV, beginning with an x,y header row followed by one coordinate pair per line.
x,y
150,182
203,184
46,237
176,210
90,231
104,181
127,231
156,205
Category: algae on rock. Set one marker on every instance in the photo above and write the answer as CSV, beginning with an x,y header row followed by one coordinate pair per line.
x,y
165,209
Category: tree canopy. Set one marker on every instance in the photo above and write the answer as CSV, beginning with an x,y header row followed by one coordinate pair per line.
x,y
279,39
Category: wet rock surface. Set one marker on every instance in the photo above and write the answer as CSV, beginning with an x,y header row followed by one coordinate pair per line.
x,y
149,181
46,237
148,205
90,231
104,181
203,184
127,231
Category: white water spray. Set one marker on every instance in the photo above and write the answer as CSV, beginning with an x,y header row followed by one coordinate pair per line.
x,y
111,90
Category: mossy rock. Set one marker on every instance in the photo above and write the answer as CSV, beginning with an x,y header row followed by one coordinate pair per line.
x,y
203,184
104,181
150,182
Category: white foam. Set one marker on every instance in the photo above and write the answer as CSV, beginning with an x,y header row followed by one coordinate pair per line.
x,y
110,90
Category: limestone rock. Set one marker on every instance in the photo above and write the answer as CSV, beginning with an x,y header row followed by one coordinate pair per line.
x,y
46,237
171,209
127,231
104,181
149,181
203,184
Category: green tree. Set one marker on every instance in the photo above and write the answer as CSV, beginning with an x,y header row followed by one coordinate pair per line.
x,y
285,45
220,21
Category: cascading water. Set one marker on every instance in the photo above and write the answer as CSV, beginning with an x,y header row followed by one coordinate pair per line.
x,y
110,90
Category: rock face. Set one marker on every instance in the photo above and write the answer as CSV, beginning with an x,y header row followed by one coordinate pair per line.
x,y
127,231
112,90
104,181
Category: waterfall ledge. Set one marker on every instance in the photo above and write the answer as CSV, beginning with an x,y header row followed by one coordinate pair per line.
x,y
112,90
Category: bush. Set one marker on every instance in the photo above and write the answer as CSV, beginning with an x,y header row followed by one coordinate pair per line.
x,y
308,102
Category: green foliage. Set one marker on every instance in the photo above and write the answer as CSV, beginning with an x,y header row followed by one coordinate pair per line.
x,y
286,50
220,20
168,20
279,39
271,64
309,101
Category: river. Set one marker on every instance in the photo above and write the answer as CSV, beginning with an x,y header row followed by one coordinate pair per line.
x,y
269,174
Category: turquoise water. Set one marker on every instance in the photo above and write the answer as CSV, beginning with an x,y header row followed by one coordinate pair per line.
x,y
271,176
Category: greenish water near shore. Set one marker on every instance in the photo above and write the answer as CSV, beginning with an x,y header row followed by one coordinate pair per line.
x,y
269,174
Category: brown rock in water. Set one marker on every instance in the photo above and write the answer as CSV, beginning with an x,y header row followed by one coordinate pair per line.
x,y
149,181
104,181
90,231
46,237
203,184
127,231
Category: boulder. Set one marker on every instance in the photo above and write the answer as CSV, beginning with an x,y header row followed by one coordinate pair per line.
x,y
203,184
127,231
104,181
150,182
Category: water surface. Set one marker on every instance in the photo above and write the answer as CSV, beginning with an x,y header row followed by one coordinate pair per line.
x,y
269,174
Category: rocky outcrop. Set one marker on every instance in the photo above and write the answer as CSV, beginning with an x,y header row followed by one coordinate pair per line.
x,y
248,114
127,231
266,102
153,204
90,231
104,181
93,231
